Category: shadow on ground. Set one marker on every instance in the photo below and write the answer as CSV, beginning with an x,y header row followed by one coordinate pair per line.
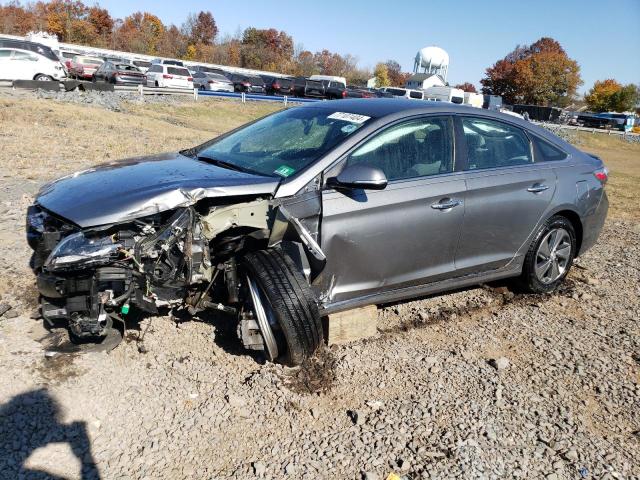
x,y
32,420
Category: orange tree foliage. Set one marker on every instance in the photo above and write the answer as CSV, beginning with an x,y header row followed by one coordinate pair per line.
x,y
467,87
142,32
610,96
541,74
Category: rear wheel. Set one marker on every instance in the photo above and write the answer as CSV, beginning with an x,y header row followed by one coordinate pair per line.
x,y
550,256
41,77
283,305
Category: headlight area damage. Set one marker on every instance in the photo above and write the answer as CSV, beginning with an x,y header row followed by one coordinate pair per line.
x,y
252,259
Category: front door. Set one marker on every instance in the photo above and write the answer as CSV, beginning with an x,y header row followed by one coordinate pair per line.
x,y
507,194
403,235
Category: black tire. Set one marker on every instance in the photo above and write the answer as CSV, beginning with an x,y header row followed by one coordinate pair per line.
x,y
291,301
529,280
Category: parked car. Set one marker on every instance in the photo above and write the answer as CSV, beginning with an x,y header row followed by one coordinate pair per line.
x,y
247,83
143,65
205,69
359,92
329,78
334,90
167,61
119,74
65,57
303,87
29,61
84,67
315,210
212,81
278,85
167,76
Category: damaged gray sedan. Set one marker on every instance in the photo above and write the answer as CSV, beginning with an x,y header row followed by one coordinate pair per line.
x,y
314,210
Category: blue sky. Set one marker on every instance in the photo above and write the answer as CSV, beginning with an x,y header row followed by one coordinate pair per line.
x,y
603,37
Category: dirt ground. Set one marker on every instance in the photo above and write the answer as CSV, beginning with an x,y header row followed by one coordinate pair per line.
x,y
479,383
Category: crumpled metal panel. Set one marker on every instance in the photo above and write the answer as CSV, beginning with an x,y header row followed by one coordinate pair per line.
x,y
130,189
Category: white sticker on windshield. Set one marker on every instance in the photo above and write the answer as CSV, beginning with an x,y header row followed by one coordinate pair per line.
x,y
349,117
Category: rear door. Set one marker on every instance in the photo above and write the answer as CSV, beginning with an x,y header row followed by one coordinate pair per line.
x,y
24,65
507,193
406,234
6,65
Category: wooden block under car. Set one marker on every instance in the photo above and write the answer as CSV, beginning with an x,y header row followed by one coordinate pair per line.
x,y
351,325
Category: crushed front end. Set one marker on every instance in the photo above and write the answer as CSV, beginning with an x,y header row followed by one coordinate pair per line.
x,y
90,278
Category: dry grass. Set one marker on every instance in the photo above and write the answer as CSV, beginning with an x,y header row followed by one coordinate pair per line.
x,y
623,161
44,139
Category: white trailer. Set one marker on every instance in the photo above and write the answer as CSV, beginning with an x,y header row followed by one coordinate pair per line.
x,y
444,94
473,99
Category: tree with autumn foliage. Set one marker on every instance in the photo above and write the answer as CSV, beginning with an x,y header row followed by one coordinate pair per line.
x,y
397,77
197,39
467,87
540,74
610,96
381,74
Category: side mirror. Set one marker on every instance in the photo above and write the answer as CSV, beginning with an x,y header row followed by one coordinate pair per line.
x,y
359,176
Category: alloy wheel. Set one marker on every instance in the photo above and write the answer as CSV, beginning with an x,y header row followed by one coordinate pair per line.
x,y
553,256
264,317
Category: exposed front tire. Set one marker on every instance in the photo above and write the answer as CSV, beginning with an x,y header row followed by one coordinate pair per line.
x,y
278,289
43,78
550,256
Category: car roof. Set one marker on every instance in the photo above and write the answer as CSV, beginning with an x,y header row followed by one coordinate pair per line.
x,y
387,107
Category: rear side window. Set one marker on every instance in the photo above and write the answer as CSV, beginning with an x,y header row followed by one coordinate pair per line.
x,y
398,92
415,95
492,144
24,56
178,71
547,152
5,53
416,148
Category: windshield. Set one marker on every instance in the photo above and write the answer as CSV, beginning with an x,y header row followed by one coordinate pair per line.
x,y
284,143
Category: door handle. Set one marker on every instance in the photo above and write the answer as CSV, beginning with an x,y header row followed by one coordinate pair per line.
x,y
537,188
446,204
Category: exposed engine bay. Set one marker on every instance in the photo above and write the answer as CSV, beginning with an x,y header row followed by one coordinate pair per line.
x,y
188,257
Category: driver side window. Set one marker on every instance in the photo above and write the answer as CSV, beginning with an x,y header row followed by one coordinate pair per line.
x,y
416,148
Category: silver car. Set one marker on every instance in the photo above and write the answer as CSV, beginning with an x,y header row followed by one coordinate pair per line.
x,y
212,81
314,210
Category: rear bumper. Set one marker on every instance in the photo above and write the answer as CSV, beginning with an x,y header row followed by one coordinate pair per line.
x,y
593,223
129,81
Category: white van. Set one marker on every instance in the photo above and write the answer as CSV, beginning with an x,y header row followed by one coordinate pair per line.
x,y
23,64
329,78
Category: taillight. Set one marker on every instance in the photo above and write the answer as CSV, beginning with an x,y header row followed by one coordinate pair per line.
x,y
276,86
344,93
210,81
602,174
189,79
246,84
115,74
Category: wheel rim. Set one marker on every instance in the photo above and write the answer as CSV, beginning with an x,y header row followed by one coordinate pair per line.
x,y
270,344
553,255
44,78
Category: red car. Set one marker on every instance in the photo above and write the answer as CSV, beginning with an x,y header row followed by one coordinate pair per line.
x,y
83,67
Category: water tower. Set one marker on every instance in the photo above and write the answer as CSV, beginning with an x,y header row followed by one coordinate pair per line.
x,y
432,60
